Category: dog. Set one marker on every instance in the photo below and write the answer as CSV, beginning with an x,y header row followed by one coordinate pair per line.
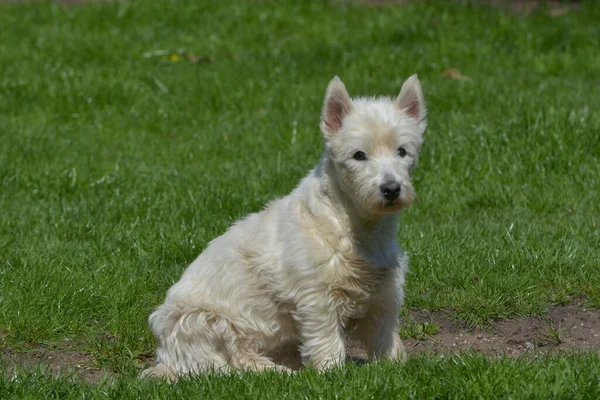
x,y
284,287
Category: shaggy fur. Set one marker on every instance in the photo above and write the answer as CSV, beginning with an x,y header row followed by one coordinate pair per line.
x,y
282,287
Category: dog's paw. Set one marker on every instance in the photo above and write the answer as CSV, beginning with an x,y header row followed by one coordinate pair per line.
x,y
159,371
326,364
389,350
397,352
283,368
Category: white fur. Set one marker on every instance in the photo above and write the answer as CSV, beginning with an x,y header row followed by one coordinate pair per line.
x,y
281,287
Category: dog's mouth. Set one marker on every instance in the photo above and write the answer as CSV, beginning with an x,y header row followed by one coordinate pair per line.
x,y
390,206
391,203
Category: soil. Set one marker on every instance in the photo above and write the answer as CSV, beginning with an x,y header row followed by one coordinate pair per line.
x,y
564,329
56,360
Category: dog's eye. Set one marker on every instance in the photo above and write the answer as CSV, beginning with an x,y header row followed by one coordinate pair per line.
x,y
401,152
359,156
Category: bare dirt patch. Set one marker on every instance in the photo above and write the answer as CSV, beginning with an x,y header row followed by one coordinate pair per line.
x,y
564,329
567,328
55,360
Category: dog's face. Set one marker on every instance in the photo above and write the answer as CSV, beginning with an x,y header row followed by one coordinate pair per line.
x,y
374,144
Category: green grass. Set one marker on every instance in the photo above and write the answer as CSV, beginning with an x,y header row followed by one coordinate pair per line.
x,y
416,330
116,169
456,377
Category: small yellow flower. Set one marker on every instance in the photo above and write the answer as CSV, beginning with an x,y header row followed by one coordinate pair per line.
x,y
174,57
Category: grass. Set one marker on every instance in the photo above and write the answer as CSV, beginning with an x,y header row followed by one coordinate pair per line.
x,y
552,337
416,330
457,377
419,330
116,167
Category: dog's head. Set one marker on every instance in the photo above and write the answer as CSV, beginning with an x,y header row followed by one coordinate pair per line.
x,y
374,144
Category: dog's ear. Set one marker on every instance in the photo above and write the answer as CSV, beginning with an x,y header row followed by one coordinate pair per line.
x,y
411,101
336,106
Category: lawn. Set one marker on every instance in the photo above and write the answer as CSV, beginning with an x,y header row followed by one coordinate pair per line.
x,y
132,133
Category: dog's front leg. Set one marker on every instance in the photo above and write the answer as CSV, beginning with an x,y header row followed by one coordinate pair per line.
x,y
378,329
322,337
386,344
378,332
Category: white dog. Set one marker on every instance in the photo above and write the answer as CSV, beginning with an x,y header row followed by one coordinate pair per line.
x,y
282,287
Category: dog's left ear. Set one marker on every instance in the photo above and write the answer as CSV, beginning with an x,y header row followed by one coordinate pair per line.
x,y
411,101
336,106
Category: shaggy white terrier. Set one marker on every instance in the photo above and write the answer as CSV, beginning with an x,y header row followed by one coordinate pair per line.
x,y
282,287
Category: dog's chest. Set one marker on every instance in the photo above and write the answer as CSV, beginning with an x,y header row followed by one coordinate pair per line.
x,y
354,281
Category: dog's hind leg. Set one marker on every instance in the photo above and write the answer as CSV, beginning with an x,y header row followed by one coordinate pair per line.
x,y
191,342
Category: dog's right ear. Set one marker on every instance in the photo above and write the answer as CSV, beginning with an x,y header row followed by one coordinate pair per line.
x,y
336,106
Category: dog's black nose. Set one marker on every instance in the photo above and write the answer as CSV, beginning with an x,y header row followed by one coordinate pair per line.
x,y
390,190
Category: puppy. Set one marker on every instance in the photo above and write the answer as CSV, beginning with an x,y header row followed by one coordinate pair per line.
x,y
281,288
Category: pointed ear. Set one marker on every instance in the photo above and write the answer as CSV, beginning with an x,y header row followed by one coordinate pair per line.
x,y
411,101
336,106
